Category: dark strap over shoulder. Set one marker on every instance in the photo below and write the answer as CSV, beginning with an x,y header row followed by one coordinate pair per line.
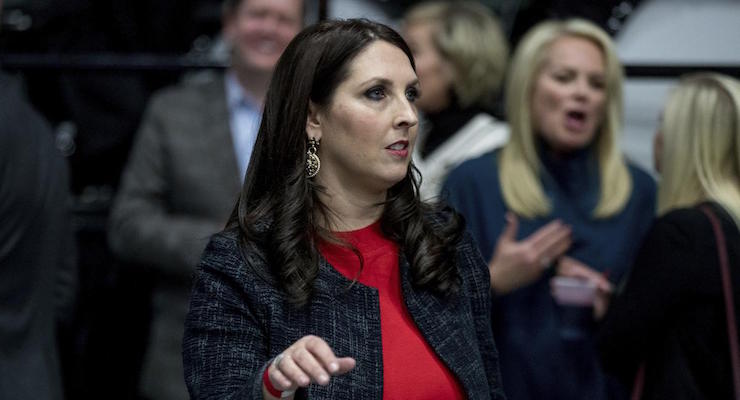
x,y
724,265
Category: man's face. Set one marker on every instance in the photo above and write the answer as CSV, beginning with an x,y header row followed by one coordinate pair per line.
x,y
259,31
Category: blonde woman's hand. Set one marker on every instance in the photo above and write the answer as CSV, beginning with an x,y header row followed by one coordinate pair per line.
x,y
518,263
308,360
568,266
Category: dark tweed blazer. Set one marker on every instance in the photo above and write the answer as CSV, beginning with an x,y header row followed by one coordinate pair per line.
x,y
239,320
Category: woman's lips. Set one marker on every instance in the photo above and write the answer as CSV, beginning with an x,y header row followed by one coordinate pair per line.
x,y
575,121
399,148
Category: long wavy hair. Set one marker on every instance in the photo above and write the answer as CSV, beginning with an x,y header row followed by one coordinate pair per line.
x,y
700,158
279,207
520,165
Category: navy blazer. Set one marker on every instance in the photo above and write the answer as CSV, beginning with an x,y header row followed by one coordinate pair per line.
x,y
239,320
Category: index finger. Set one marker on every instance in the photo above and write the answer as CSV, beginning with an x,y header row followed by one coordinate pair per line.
x,y
323,353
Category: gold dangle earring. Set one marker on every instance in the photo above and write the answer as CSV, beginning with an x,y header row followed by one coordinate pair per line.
x,y
313,164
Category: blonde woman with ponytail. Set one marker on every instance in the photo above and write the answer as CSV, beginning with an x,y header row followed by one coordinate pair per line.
x,y
670,314
558,199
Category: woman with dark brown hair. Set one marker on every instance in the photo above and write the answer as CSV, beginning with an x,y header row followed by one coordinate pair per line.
x,y
330,251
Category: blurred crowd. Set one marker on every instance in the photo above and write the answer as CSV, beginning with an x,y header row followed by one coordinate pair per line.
x,y
604,274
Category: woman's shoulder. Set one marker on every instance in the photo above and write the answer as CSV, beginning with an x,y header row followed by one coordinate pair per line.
x,y
222,245
681,216
642,181
488,160
471,264
693,221
481,168
484,131
230,254
681,227
442,217
684,238
474,188
439,215
644,191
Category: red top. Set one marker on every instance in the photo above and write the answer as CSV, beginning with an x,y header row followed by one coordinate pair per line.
x,y
411,368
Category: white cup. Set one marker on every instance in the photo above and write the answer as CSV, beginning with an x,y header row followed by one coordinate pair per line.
x,y
569,291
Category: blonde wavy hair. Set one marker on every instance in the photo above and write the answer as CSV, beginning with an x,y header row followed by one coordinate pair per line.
x,y
519,165
469,36
700,158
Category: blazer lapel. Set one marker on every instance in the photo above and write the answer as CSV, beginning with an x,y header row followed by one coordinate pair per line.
x,y
440,321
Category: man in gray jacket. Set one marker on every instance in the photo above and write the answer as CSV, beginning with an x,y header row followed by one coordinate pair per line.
x,y
185,172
